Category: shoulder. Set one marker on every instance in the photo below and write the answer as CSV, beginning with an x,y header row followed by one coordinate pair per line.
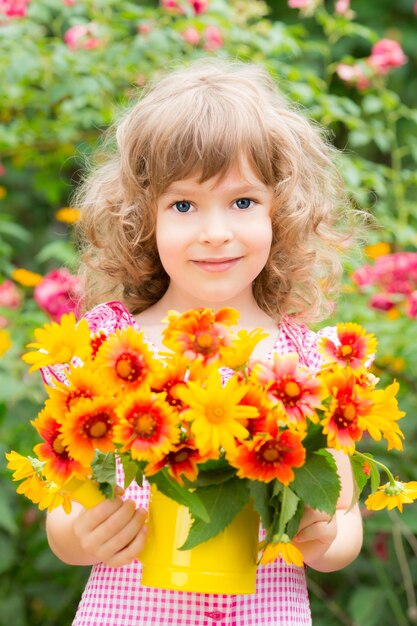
x,y
108,317
295,337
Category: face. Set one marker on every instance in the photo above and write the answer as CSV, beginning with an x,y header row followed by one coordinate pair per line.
x,y
214,238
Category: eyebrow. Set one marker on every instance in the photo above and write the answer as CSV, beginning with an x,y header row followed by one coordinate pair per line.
x,y
233,191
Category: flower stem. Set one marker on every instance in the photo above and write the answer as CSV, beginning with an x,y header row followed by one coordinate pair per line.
x,y
379,464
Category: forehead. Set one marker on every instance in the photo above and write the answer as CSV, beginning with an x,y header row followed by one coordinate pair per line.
x,y
240,177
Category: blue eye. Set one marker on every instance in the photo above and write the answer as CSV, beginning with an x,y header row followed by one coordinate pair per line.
x,y
183,206
243,203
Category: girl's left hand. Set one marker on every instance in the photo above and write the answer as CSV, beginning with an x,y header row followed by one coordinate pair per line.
x,y
316,533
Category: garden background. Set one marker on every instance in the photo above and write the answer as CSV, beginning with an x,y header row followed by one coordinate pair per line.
x,y
66,68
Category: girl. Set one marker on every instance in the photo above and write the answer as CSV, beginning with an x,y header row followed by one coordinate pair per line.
x,y
218,193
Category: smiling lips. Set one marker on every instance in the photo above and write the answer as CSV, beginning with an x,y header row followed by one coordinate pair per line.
x,y
217,265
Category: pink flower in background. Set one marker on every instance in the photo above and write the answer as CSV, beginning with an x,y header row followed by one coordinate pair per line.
x,y
411,305
387,54
300,4
342,6
394,280
82,36
381,302
353,74
199,6
213,37
9,295
415,8
171,5
14,8
144,28
59,292
69,3
2,169
191,35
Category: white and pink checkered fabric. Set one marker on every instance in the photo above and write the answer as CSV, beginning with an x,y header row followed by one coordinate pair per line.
x,y
115,597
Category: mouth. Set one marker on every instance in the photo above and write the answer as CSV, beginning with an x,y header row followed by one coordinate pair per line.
x,y
216,264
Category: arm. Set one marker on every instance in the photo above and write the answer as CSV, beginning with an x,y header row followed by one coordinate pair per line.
x,y
113,532
329,544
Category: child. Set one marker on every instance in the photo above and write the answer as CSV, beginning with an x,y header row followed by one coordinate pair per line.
x,y
218,194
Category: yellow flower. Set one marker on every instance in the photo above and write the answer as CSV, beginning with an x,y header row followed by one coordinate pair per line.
x,y
284,549
59,343
393,314
3,192
392,495
215,412
239,352
378,249
26,278
5,343
21,465
68,215
380,420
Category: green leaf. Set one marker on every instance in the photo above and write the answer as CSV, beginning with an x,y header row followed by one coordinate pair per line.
x,y
358,474
213,477
261,495
223,502
132,470
315,439
317,482
173,490
294,522
288,503
104,472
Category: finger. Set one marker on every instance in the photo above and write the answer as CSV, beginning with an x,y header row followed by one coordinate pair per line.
x,y
323,531
131,552
111,526
125,536
90,519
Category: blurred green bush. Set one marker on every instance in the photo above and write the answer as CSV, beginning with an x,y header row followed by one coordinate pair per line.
x,y
66,67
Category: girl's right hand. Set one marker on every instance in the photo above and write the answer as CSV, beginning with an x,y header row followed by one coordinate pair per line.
x,y
113,532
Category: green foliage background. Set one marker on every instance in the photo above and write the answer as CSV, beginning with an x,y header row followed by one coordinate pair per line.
x,y
54,104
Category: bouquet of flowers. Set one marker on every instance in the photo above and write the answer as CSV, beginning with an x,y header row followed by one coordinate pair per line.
x,y
208,426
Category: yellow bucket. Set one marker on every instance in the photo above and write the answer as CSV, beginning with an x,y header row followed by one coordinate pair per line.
x,y
225,564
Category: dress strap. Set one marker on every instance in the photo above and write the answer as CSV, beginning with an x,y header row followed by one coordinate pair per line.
x,y
295,333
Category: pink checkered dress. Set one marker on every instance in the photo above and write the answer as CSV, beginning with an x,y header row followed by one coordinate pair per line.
x,y
115,597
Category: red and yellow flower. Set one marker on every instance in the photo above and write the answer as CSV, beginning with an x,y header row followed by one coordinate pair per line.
x,y
88,426
200,333
59,465
354,349
215,412
124,360
148,426
169,379
182,461
270,456
83,382
292,387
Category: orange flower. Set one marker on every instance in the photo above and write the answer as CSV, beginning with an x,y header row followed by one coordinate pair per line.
x,y
69,215
148,425
169,379
89,425
341,419
124,360
59,465
354,349
182,460
268,457
199,333
26,278
292,387
255,396
83,382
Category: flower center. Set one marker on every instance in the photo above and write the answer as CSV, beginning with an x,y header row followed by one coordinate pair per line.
x,y
146,425
98,425
292,389
349,412
270,452
346,350
205,343
181,456
393,490
129,367
57,446
215,414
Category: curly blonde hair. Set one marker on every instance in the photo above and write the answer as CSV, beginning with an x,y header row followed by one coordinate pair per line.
x,y
199,121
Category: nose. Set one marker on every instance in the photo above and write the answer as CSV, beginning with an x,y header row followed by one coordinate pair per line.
x,y
216,228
